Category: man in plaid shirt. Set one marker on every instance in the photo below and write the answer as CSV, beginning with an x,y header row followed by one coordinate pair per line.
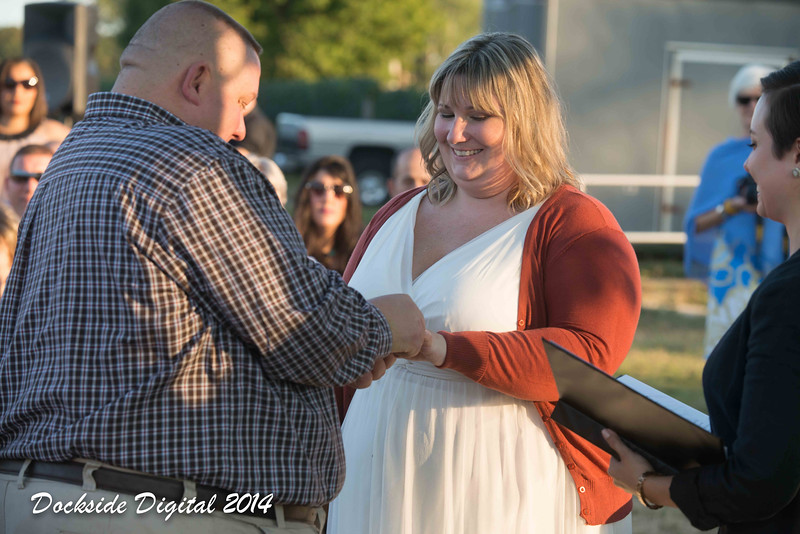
x,y
162,316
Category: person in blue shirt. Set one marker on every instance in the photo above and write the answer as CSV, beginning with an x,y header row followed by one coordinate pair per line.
x,y
728,244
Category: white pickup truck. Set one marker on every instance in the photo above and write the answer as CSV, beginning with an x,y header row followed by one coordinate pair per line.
x,y
369,144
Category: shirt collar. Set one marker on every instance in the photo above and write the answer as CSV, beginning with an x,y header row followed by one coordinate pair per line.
x,y
124,106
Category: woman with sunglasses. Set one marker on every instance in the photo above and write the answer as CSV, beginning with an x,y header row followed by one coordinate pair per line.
x,y
327,211
751,381
728,244
23,111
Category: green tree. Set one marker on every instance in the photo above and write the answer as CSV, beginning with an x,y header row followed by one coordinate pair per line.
x,y
10,42
316,39
461,20
354,38
108,48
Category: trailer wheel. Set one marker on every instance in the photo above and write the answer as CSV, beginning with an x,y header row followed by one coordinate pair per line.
x,y
372,171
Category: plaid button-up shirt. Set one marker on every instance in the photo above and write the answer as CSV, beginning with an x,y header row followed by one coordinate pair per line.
x,y
162,315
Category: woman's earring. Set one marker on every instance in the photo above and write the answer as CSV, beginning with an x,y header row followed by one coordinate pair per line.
x,y
796,172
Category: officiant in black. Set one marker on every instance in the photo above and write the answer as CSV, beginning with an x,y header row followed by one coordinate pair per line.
x,y
752,378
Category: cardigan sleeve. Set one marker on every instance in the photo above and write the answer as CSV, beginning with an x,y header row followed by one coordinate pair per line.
x,y
580,287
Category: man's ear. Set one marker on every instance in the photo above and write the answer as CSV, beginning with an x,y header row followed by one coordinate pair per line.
x,y
194,81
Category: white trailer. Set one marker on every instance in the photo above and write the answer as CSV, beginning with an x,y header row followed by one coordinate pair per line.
x,y
369,144
645,85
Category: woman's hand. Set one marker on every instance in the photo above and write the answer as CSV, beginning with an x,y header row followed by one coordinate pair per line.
x,y
740,205
655,488
733,206
434,349
630,465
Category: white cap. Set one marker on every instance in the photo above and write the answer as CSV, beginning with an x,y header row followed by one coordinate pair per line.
x,y
748,77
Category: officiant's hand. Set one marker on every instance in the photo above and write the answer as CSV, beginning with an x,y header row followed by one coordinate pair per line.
x,y
630,465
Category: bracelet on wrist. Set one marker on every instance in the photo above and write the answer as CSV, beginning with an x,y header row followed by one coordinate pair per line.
x,y
640,491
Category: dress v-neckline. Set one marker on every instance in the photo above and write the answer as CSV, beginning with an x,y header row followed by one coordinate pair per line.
x,y
450,253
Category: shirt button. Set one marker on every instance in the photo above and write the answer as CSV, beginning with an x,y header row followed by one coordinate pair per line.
x,y
582,489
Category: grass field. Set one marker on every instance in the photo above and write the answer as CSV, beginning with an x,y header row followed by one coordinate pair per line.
x,y
667,354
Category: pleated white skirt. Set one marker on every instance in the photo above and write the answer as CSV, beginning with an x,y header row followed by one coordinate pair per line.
x,y
431,452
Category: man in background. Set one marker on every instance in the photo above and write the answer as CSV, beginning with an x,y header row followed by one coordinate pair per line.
x,y
27,167
408,172
162,330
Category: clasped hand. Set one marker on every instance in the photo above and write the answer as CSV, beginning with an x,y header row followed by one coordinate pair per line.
x,y
410,339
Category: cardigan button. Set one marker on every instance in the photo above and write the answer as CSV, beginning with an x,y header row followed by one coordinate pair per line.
x,y
582,489
521,322
570,466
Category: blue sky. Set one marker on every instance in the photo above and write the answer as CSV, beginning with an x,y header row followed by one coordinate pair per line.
x,y
12,12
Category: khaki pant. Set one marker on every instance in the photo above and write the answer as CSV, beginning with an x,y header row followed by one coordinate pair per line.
x,y
48,507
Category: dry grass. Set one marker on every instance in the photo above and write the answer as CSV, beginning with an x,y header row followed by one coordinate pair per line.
x,y
667,354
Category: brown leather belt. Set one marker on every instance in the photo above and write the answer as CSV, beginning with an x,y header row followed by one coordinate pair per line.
x,y
131,483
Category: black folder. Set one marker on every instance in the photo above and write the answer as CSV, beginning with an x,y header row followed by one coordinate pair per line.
x,y
590,400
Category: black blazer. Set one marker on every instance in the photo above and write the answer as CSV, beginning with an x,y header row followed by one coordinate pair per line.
x,y
752,388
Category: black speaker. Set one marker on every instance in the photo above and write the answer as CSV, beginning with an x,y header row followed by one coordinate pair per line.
x,y
61,37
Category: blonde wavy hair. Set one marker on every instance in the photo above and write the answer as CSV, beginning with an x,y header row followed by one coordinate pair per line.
x,y
501,73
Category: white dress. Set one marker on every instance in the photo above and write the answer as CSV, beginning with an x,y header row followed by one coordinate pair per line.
x,y
429,450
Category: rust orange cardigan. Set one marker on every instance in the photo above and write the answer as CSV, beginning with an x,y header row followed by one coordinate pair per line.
x,y
579,287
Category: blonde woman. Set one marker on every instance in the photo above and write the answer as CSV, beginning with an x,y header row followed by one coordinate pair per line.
x,y
499,251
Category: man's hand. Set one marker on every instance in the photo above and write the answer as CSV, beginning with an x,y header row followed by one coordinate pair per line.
x,y
405,321
408,332
380,368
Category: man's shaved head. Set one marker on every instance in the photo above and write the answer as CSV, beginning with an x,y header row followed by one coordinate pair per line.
x,y
181,33
183,28
181,52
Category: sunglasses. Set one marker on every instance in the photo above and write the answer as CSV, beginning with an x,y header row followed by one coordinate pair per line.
x,y
22,177
744,100
30,83
319,189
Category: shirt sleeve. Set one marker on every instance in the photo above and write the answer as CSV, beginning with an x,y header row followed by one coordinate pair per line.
x,y
236,252
585,295
762,472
